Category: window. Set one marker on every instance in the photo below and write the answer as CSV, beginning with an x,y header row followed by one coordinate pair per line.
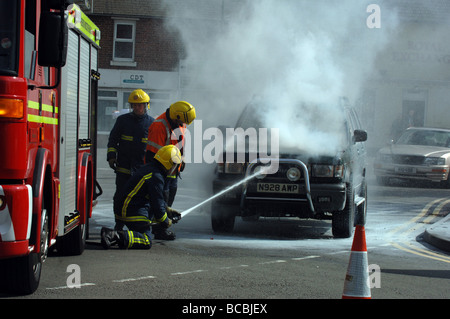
x,y
113,103
107,105
9,35
125,96
124,41
30,39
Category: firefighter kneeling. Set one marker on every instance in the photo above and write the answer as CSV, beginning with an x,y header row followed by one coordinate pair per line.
x,y
141,203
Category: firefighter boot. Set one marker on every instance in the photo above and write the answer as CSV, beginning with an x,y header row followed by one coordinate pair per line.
x,y
111,237
162,233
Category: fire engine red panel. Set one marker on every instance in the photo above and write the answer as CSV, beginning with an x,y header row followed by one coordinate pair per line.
x,y
18,205
13,132
15,218
13,249
13,146
13,87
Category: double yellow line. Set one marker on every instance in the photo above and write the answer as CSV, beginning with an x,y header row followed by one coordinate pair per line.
x,y
408,247
427,215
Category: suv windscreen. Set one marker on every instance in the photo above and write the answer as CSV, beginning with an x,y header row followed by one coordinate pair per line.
x,y
250,119
9,37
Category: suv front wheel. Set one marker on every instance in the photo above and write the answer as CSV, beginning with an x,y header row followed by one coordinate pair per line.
x,y
222,218
343,221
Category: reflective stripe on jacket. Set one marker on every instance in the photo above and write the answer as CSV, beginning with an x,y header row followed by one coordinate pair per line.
x,y
164,131
142,198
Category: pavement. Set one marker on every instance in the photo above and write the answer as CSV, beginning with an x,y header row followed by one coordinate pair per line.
x,y
438,234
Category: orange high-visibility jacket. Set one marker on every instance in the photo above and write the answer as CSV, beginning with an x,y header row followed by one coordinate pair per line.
x,y
164,132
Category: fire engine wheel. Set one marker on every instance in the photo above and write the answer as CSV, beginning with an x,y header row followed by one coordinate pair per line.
x,y
44,237
22,274
74,242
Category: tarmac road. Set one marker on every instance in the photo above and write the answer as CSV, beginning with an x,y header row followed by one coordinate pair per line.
x,y
268,259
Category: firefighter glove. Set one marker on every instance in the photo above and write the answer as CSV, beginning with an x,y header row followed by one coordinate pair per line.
x,y
173,214
166,223
112,163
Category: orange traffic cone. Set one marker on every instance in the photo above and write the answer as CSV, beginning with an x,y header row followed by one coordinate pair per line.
x,y
356,284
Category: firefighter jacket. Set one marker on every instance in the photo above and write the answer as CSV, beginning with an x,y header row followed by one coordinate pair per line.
x,y
141,200
162,132
127,141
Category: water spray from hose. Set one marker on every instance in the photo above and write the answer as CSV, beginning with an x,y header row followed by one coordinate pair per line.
x,y
226,190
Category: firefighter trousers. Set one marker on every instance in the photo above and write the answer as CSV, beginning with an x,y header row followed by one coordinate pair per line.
x,y
137,237
121,180
139,233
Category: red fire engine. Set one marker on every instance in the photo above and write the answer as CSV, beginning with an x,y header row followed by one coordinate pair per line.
x,y
48,105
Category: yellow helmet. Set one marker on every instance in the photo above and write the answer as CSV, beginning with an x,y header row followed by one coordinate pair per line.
x,y
138,96
182,111
169,156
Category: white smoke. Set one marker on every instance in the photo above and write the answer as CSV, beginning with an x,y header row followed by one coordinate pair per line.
x,y
299,56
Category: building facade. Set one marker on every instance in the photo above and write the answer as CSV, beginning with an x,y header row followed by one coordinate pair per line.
x,y
411,82
141,50
137,51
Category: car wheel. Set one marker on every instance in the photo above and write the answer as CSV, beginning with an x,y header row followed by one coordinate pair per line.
x,y
446,183
222,218
343,221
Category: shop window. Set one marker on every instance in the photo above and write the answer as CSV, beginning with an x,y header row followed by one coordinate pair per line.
x,y
107,106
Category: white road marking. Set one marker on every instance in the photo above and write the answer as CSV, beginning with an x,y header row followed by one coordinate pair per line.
x,y
135,279
67,287
303,258
187,272
272,262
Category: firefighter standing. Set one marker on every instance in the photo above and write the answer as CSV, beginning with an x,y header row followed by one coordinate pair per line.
x,y
141,202
128,139
169,128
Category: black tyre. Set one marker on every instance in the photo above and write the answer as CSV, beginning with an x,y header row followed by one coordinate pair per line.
x,y
343,221
73,243
22,275
222,218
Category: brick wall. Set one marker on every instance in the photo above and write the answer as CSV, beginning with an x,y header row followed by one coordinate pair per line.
x,y
156,48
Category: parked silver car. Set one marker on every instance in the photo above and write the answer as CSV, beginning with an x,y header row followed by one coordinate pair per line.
x,y
419,154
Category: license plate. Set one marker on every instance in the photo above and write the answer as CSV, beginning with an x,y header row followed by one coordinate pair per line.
x,y
278,188
405,170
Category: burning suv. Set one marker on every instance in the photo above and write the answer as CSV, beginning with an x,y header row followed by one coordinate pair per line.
x,y
304,186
